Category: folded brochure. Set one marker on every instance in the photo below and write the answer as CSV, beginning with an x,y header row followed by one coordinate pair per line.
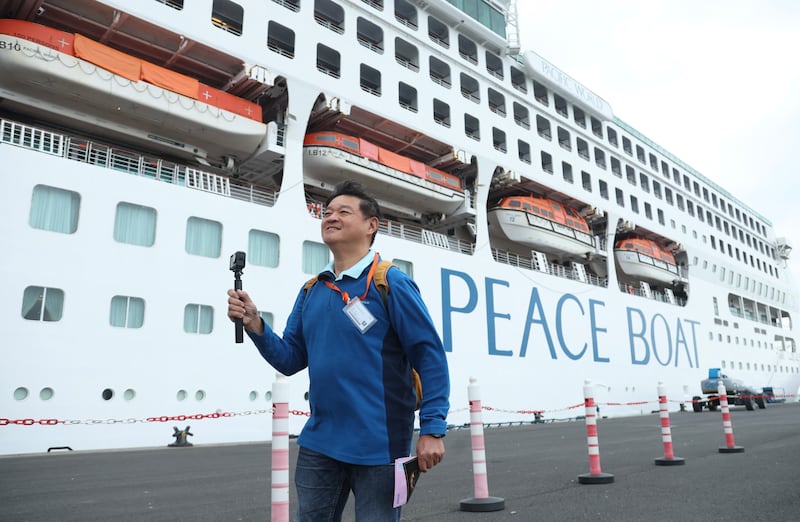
x,y
406,474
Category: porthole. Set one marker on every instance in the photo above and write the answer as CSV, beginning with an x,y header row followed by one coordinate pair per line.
x,y
21,393
46,394
108,394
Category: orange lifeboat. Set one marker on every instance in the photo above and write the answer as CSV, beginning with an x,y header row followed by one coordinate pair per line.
x,y
74,81
542,224
646,260
400,183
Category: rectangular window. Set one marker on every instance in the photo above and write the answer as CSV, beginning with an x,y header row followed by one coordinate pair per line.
x,y
315,257
42,304
407,267
198,319
135,224
126,312
263,248
203,237
54,209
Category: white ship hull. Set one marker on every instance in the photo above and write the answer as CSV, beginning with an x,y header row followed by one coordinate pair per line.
x,y
530,338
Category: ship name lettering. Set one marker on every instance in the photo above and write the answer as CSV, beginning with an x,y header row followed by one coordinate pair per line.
x,y
659,341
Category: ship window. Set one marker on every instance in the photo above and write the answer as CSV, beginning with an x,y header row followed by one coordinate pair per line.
x,y
603,189
135,224
40,303
470,88
434,175
616,167
676,176
564,139
543,127
524,151
644,182
292,5
620,198
630,174
472,127
228,16
54,209
198,319
653,162
634,204
612,137
586,179
406,54
440,72
597,127
521,115
626,146
660,214
328,61
263,248
467,49
560,105
494,65
499,139
369,35
268,318
405,13
583,148
526,207
640,154
437,32
329,14
547,162
175,4
540,93
513,203
407,267
203,237
566,171
600,158
648,210
579,116
407,97
370,80
518,80
351,144
497,102
126,312
280,39
668,195
679,200
315,257
441,113
657,189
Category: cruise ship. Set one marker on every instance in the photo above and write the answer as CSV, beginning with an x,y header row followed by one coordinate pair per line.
x,y
143,143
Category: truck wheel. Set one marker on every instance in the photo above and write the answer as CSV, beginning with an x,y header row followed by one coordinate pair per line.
x,y
761,402
697,404
712,403
748,402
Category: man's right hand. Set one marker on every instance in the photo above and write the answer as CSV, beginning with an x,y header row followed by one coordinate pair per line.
x,y
240,306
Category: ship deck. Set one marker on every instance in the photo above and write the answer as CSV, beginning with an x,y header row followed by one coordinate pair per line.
x,y
533,467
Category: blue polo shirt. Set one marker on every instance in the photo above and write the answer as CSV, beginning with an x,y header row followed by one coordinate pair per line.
x,y
360,386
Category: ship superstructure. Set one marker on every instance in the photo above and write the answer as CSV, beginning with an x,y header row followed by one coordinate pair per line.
x,y
144,142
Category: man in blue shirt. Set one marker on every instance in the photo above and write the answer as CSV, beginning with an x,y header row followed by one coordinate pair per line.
x,y
359,351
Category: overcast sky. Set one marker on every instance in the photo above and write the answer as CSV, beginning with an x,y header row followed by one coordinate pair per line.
x,y
715,82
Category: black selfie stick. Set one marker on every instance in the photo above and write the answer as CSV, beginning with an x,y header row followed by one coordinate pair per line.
x,y
237,266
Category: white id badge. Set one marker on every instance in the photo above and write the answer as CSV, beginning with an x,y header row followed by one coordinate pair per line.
x,y
359,314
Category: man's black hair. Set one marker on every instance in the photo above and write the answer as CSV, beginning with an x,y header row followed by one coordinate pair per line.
x,y
367,204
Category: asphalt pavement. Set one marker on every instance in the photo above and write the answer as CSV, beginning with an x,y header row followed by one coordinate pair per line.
x,y
534,468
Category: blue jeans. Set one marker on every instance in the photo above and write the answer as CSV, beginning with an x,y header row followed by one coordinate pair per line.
x,y
324,484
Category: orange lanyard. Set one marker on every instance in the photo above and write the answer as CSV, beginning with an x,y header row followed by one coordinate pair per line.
x,y
345,295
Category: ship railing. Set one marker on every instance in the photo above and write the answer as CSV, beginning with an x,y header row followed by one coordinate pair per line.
x,y
369,44
405,21
151,167
516,260
656,295
292,5
27,137
328,24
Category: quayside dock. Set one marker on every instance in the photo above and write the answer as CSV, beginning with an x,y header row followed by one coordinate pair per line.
x,y
533,467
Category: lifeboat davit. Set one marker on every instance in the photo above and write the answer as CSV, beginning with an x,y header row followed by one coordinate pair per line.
x,y
543,225
644,259
77,82
402,184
